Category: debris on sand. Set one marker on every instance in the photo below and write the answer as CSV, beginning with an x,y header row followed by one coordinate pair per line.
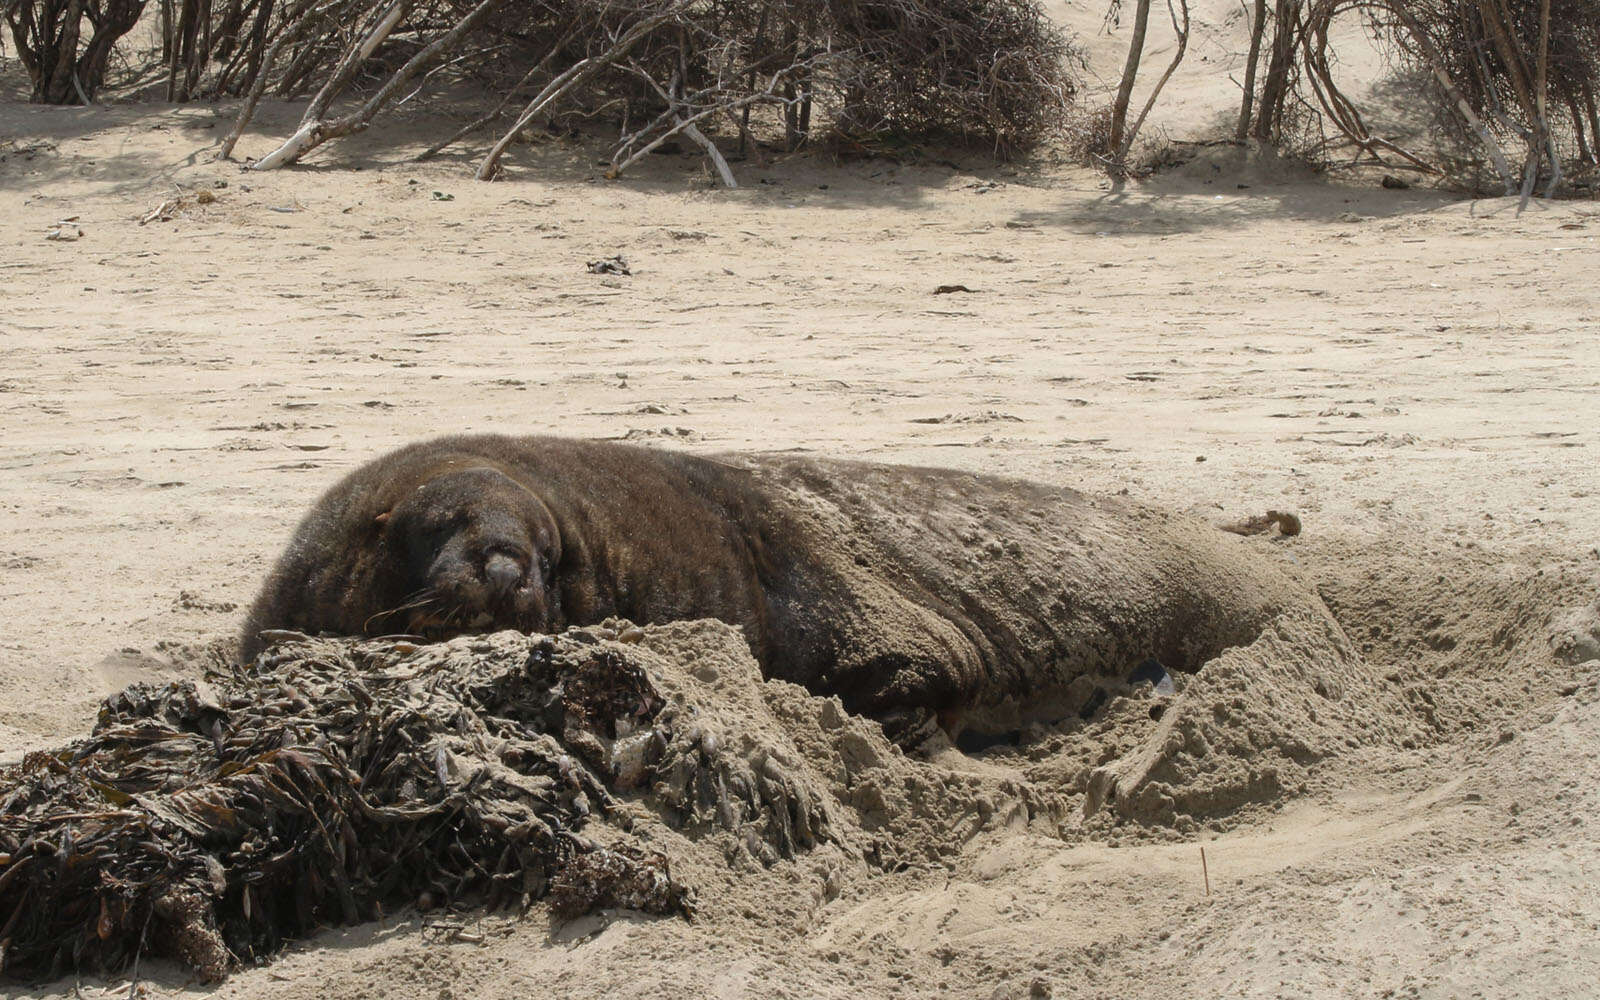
x,y
341,779
65,230
164,212
1288,524
334,781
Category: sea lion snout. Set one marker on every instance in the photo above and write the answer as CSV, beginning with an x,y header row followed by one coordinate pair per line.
x,y
502,573
470,586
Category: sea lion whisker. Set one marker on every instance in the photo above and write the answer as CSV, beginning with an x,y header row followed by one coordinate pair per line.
x,y
397,610
419,600
424,592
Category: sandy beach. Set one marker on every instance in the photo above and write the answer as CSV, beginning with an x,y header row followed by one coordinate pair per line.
x,y
1413,373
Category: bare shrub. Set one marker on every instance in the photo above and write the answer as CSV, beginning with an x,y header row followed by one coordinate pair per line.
x,y
1521,71
1086,135
64,67
1157,151
1508,73
992,71
1086,138
989,72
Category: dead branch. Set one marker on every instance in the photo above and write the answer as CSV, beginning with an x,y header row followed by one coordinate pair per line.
x,y
314,133
1182,30
574,77
1130,71
269,59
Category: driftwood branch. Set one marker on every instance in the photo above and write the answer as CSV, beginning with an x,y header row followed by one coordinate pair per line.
x,y
269,59
385,22
712,152
1434,60
314,133
687,126
541,66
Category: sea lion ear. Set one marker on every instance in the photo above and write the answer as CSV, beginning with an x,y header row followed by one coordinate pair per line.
x,y
382,519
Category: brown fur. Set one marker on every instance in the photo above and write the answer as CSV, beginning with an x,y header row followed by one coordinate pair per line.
x,y
895,588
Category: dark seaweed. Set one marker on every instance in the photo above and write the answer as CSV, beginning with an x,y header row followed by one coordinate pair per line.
x,y
333,781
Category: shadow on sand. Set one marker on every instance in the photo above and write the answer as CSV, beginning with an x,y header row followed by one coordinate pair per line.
x,y
1223,188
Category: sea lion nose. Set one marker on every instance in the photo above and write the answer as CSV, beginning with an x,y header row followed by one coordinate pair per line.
x,y
502,572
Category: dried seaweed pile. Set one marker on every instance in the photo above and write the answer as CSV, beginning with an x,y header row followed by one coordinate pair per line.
x,y
334,780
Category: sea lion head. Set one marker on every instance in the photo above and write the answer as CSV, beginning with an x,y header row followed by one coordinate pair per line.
x,y
478,551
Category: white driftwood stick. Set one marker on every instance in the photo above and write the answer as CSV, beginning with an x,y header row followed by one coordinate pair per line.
x,y
352,60
713,152
378,34
314,133
306,136
687,127
256,89
1435,61
291,149
679,125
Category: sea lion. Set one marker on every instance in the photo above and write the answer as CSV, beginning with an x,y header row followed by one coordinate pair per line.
x,y
911,593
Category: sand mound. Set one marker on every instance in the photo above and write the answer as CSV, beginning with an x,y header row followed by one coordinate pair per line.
x,y
1241,731
814,769
287,797
655,770
1444,644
